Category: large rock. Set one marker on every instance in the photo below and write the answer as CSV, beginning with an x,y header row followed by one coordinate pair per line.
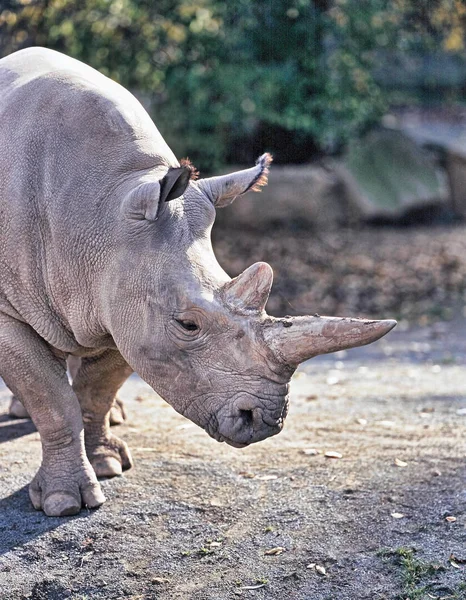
x,y
383,176
388,175
443,130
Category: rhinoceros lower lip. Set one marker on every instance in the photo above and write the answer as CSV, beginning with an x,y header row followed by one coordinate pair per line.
x,y
222,438
252,437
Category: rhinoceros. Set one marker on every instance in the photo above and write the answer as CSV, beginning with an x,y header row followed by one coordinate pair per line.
x,y
105,254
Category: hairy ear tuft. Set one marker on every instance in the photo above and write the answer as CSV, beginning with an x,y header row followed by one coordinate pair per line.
x,y
187,164
264,162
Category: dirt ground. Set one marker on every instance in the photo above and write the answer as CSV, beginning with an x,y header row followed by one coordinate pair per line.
x,y
195,519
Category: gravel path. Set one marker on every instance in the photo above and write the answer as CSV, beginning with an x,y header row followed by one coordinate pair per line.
x,y
197,520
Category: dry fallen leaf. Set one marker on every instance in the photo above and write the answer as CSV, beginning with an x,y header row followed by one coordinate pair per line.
x,y
333,454
456,559
321,570
247,475
252,587
397,515
311,451
454,564
400,463
266,477
450,519
318,568
275,551
159,580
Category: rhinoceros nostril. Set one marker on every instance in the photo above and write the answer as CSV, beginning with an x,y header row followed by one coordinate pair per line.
x,y
247,417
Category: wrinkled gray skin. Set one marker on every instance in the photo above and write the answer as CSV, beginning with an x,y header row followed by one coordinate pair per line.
x,y
95,263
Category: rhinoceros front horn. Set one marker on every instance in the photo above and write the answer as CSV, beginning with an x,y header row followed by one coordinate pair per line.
x,y
249,292
296,339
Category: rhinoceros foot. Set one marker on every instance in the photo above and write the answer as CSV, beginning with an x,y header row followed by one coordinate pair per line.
x,y
60,492
108,455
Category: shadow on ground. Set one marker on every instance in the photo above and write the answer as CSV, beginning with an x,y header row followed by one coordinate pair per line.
x,y
11,429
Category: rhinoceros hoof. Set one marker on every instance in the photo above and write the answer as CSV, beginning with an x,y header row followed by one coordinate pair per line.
x,y
109,458
17,410
64,496
117,412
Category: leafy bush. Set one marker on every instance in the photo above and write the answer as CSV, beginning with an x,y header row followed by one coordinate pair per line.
x,y
226,80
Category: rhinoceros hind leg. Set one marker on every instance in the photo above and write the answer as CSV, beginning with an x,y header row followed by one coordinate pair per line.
x,y
17,410
117,412
96,385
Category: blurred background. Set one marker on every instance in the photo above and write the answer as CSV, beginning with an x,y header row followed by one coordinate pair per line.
x,y
361,102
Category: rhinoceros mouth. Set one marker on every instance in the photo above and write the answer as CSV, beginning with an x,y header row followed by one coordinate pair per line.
x,y
241,427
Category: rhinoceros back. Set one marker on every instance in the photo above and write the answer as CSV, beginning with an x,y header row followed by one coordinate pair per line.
x,y
70,137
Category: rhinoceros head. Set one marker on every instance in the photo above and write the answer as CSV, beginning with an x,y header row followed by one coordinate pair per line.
x,y
199,338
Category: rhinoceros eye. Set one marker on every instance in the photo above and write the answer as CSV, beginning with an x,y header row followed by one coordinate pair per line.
x,y
188,325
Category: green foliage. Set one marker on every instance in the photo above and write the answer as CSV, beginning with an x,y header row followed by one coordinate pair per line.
x,y
420,580
226,80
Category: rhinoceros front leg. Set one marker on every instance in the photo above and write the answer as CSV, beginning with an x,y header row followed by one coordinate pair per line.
x,y
65,480
117,412
96,384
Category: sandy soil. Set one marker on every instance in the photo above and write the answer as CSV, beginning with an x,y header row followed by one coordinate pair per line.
x,y
195,519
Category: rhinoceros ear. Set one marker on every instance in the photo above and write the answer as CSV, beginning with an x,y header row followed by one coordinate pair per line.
x,y
224,189
249,292
175,182
146,200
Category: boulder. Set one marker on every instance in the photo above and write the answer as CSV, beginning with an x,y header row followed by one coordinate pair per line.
x,y
387,175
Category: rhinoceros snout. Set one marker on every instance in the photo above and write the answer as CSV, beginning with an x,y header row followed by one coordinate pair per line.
x,y
247,424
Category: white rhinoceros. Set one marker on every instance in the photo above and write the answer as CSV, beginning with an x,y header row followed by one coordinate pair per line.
x,y
105,254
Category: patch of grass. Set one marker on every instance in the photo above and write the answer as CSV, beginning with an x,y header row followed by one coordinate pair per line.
x,y
414,572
